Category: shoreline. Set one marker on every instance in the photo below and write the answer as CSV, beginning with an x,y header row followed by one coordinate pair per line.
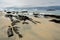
x,y
46,30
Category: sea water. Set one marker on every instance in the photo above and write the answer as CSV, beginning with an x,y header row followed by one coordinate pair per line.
x,y
57,12
44,11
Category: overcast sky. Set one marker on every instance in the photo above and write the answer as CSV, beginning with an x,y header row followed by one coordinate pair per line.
x,y
28,3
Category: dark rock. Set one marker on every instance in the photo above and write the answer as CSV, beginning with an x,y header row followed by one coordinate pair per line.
x,y
54,16
54,20
15,29
10,32
8,12
25,23
14,22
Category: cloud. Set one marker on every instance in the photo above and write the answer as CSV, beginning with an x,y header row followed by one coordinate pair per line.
x,y
28,3
9,3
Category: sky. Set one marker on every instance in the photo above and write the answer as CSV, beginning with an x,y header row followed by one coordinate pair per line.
x,y
28,3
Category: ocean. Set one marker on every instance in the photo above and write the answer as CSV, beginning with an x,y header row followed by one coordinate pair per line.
x,y
57,12
42,11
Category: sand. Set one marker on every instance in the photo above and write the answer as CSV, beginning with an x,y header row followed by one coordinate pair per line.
x,y
46,30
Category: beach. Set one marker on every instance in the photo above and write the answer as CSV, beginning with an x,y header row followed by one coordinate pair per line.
x,y
45,30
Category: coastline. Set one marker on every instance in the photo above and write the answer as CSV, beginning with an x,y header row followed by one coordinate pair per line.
x,y
46,30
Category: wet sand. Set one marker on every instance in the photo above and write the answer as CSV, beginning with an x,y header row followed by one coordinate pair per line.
x,y
46,30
